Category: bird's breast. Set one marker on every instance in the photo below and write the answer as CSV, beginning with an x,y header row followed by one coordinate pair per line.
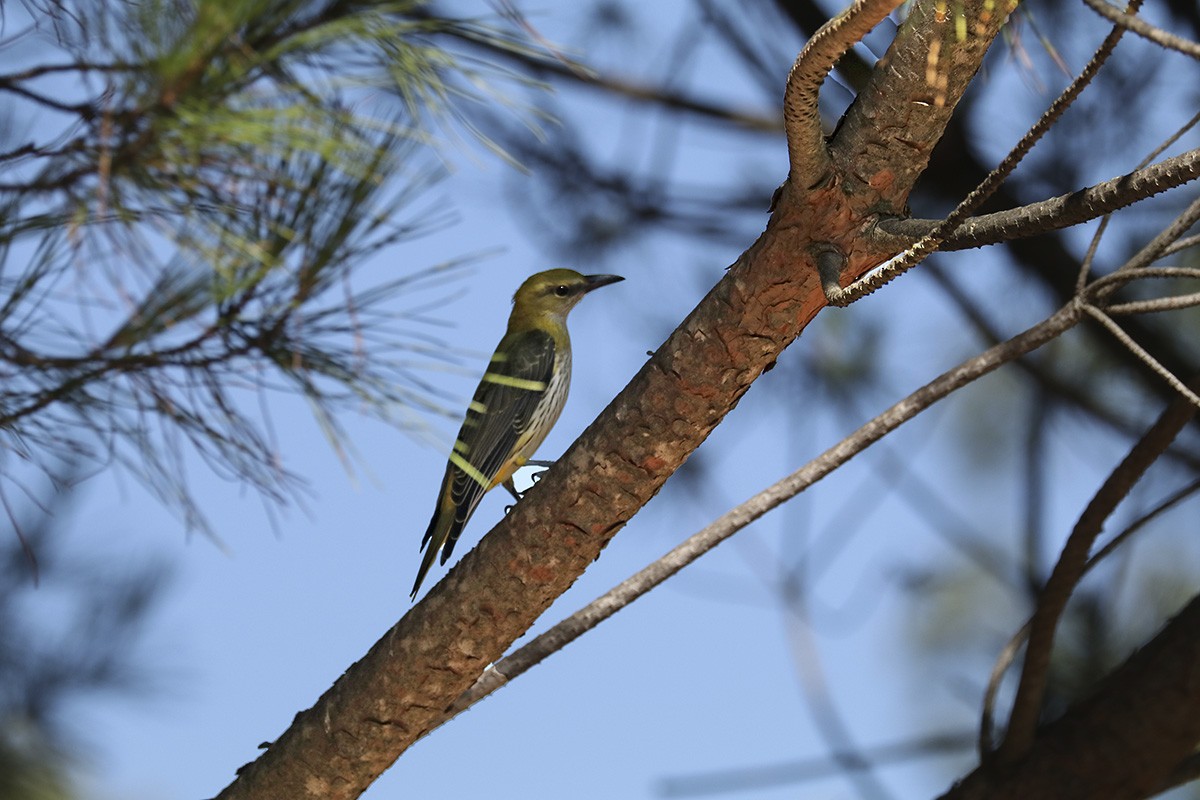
x,y
548,409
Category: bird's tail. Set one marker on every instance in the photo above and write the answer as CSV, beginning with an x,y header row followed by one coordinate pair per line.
x,y
442,529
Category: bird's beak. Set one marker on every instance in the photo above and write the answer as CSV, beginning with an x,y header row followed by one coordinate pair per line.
x,y
596,281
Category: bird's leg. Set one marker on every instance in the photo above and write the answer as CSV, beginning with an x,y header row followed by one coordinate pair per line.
x,y
535,477
545,465
512,489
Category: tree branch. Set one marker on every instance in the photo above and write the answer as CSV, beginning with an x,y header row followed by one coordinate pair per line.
x,y
1053,214
675,100
886,137
84,111
930,242
1144,29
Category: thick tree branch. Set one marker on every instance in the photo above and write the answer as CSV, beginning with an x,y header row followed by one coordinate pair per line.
x,y
887,136
930,242
408,680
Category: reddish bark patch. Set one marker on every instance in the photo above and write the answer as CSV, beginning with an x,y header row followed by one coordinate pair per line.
x,y
539,574
883,181
653,463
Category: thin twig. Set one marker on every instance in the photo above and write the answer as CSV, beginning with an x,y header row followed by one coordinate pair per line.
x,y
1185,243
76,66
83,110
1142,353
1172,500
1168,236
1008,654
1108,283
835,764
1154,306
1144,29
1086,267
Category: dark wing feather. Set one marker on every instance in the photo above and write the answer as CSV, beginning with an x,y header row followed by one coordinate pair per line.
x,y
491,435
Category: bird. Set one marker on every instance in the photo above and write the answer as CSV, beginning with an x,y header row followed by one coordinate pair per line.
x,y
517,402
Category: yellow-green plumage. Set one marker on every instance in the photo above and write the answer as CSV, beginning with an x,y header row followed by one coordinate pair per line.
x,y
518,400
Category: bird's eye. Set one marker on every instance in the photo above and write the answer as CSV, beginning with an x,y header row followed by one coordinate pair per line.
x,y
561,291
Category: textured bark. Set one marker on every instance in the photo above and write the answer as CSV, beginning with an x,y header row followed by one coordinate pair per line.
x,y
384,702
1123,742
887,137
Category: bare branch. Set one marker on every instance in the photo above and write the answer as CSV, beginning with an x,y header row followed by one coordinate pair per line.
x,y
84,111
1143,355
1053,214
1154,306
1129,22
625,87
1185,243
1155,248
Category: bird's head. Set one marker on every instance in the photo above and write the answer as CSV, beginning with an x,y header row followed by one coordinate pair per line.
x,y
555,292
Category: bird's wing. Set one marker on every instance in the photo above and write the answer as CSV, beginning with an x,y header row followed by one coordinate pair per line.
x,y
501,410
